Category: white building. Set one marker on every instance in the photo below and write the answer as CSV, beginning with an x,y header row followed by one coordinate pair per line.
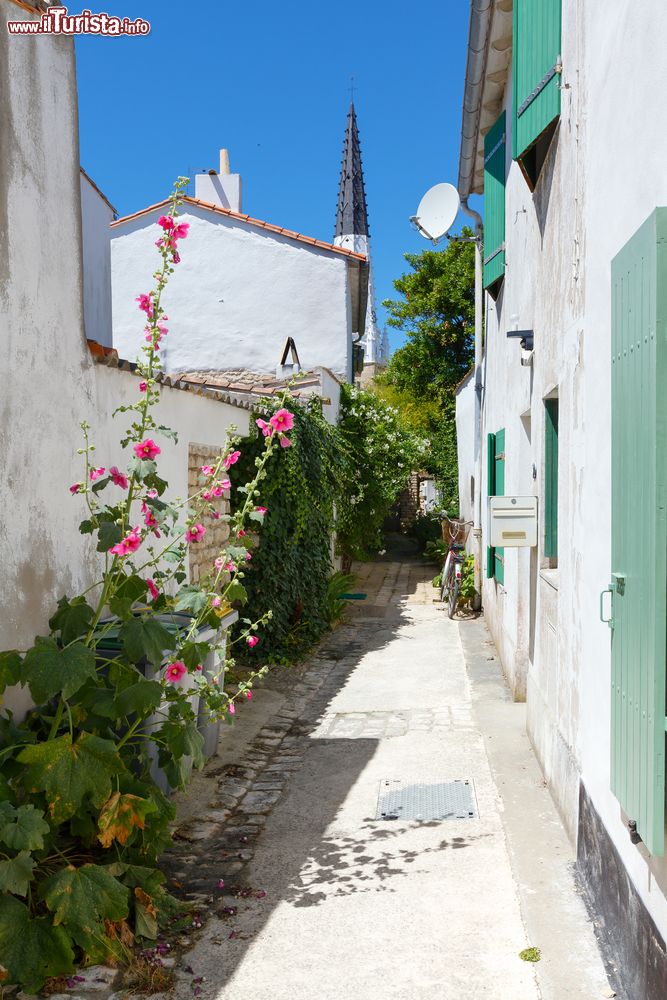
x,y
563,132
244,286
97,214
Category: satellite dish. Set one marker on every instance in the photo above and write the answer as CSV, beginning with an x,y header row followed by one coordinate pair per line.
x,y
437,211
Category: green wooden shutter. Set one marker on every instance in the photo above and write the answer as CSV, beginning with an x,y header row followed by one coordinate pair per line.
x,y
551,478
499,559
490,492
536,48
494,202
639,527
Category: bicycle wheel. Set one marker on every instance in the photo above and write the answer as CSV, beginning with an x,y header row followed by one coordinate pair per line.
x,y
453,592
443,585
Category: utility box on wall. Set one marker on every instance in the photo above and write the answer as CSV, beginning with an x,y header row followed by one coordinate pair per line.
x,y
512,522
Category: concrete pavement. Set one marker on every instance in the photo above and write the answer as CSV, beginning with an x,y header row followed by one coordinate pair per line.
x,y
331,903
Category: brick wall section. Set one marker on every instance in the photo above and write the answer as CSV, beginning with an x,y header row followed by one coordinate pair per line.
x,y
204,553
409,501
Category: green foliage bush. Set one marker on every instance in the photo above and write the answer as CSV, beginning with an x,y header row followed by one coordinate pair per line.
x,y
381,452
292,566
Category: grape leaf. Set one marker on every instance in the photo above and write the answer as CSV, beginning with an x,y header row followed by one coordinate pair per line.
x,y
72,619
10,669
145,637
23,828
50,670
121,816
31,949
67,773
16,874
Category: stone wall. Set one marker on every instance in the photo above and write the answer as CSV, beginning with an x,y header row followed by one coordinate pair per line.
x,y
409,501
204,553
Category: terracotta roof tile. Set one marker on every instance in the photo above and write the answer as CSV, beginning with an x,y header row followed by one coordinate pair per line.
x,y
288,233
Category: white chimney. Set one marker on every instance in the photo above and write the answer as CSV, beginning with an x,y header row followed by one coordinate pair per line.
x,y
223,189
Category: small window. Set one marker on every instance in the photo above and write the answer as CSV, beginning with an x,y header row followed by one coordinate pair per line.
x,y
551,481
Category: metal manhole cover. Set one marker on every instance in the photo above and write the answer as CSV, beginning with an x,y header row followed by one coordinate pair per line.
x,y
415,800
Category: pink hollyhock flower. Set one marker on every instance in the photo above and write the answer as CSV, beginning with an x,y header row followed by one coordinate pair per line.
x,y
130,543
241,533
206,495
175,671
248,556
231,708
176,258
216,602
152,494
166,221
155,593
266,429
118,478
162,327
180,231
195,533
145,304
149,518
76,488
147,449
215,514
252,641
207,470
219,488
198,667
232,459
221,883
230,567
219,563
282,420
285,442
248,695
261,510
97,473
143,386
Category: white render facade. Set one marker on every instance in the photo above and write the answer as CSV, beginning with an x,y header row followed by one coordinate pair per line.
x,y
602,176
243,287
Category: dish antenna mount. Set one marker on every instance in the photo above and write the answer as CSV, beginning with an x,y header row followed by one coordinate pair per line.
x,y
437,211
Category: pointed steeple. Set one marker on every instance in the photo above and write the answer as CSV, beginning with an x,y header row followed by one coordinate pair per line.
x,y
351,215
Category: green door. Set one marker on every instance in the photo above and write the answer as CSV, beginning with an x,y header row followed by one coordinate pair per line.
x,y
639,528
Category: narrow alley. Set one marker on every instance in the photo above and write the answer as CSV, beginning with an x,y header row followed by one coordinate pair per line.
x,y
322,899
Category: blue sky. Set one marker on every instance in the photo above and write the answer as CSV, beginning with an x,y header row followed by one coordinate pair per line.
x,y
270,81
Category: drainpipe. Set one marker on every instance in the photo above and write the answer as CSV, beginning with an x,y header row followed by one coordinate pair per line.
x,y
479,326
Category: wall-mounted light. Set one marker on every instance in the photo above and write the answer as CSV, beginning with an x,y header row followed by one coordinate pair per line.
x,y
525,337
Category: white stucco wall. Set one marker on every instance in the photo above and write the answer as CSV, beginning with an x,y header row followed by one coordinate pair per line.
x,y
50,382
239,292
465,442
96,216
598,185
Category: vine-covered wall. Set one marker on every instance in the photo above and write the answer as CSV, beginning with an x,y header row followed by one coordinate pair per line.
x,y
290,570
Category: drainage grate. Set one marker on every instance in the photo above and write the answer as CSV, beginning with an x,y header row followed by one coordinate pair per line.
x,y
446,800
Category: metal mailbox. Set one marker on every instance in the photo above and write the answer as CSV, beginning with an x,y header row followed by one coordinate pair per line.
x,y
512,522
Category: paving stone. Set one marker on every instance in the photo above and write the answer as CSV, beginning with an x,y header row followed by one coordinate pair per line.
x,y
260,802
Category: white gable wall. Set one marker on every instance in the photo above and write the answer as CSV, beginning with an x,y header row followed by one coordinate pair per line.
x,y
239,292
96,215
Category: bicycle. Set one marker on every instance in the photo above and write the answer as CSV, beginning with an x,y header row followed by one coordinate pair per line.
x,y
455,533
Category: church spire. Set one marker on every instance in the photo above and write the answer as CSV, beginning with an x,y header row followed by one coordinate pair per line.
x,y
351,215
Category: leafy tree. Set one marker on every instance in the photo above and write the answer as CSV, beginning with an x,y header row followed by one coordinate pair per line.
x,y
437,313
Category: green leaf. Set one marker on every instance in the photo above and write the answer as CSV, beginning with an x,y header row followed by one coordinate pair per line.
x,y
139,699
145,637
86,527
193,654
16,874
132,588
68,773
181,739
100,484
142,468
121,607
236,592
190,598
72,619
23,828
167,432
30,949
81,899
109,534
256,515
50,670
154,482
145,915
10,669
